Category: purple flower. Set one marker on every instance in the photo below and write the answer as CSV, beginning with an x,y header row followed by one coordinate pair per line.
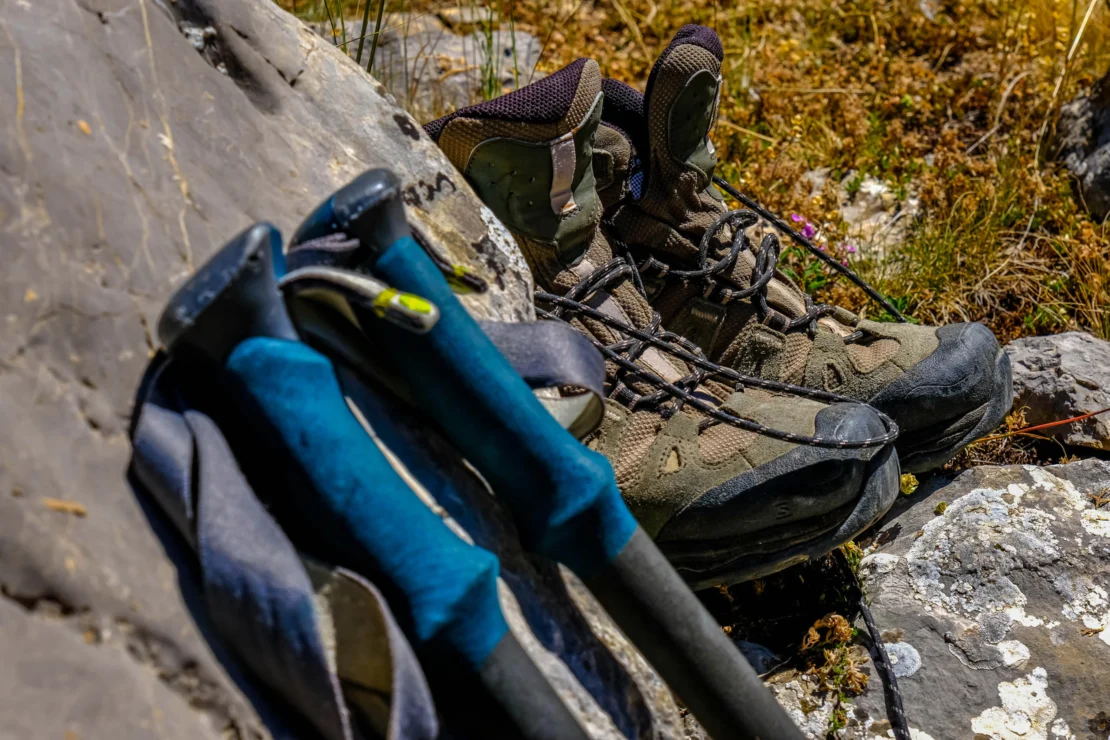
x,y
808,231
844,262
796,218
821,247
851,248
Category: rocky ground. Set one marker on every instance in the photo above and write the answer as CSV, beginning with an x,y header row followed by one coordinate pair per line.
x,y
438,61
140,135
991,591
1062,377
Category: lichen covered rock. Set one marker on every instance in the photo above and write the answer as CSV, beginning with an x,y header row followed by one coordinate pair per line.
x,y
996,611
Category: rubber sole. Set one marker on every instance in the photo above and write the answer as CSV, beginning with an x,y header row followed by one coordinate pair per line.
x,y
926,449
724,561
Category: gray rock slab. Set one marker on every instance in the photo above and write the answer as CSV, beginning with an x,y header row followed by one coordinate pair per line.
x,y
139,136
996,613
70,685
1060,377
1083,144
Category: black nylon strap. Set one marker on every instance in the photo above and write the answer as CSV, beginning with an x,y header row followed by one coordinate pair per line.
x,y
548,355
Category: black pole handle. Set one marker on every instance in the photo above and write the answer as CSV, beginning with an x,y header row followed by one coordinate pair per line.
x,y
519,688
233,297
651,603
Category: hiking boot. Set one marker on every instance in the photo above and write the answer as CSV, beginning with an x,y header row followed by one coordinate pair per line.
x,y
731,484
944,386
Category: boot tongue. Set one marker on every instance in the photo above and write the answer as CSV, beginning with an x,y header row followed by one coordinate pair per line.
x,y
680,107
613,159
675,201
619,140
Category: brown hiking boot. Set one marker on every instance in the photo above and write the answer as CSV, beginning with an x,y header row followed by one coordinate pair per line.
x,y
945,387
731,484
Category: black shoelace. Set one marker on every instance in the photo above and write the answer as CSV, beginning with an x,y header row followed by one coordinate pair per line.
x,y
764,270
786,229
634,342
892,695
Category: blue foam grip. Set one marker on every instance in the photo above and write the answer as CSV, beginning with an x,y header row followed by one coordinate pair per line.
x,y
364,510
563,496
257,592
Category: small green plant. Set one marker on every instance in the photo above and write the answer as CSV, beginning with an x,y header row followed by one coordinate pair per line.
x,y
338,33
490,85
834,664
814,274
853,186
853,555
490,68
1046,317
902,303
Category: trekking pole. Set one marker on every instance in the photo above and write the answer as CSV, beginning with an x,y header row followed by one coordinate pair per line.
x,y
340,492
562,495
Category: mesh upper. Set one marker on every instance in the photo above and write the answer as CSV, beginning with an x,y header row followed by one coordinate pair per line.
x,y
624,110
796,352
544,101
866,358
640,433
693,34
719,443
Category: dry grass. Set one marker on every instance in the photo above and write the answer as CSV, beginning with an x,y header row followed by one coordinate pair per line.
x,y
1012,445
959,109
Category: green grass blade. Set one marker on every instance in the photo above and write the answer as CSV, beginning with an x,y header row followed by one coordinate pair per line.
x,y
377,33
362,32
331,21
512,38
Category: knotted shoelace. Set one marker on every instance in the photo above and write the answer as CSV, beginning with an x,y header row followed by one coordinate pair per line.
x,y
668,397
634,341
766,264
789,231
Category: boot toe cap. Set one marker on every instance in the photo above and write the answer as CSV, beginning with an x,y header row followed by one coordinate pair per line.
x,y
799,505
960,391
